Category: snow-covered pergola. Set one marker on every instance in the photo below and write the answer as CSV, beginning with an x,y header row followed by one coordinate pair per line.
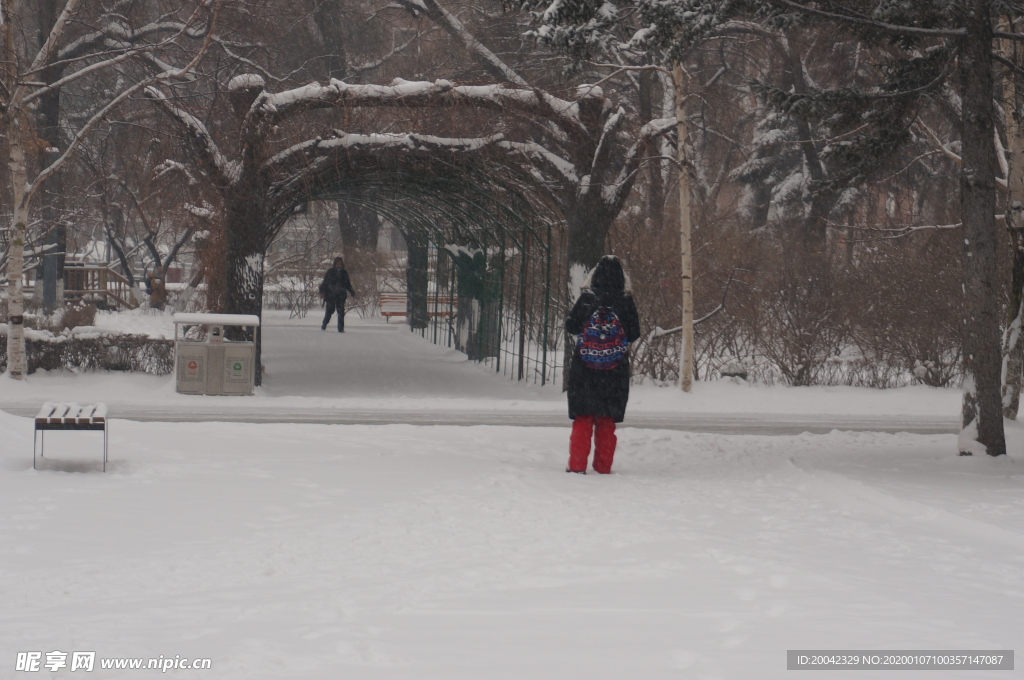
x,y
462,205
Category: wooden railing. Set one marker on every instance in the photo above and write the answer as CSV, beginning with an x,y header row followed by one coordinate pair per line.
x,y
92,282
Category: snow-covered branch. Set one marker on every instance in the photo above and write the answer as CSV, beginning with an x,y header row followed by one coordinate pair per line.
x,y
273,108
859,20
87,128
44,53
608,131
616,192
321,160
441,16
955,157
223,171
169,166
560,167
315,151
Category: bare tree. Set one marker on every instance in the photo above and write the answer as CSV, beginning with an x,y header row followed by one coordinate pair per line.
x,y
118,59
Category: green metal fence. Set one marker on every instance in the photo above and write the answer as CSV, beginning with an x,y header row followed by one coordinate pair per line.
x,y
502,300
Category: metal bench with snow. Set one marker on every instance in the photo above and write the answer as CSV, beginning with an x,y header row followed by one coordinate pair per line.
x,y
72,416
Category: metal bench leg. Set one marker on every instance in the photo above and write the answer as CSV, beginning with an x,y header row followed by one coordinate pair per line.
x,y
104,446
34,434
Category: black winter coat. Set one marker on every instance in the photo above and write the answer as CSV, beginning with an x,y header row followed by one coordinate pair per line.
x,y
336,284
595,392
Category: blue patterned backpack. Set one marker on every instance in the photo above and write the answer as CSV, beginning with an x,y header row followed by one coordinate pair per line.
x,y
602,343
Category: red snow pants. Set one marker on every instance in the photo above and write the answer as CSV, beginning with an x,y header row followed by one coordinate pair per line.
x,y
604,445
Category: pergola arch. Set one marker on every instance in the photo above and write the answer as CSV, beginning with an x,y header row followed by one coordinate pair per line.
x,y
470,204
463,196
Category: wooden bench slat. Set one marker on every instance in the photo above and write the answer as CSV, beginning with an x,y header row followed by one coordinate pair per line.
x,y
58,413
100,414
45,411
72,415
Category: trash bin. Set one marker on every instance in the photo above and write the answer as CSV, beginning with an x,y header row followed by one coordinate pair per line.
x,y
216,365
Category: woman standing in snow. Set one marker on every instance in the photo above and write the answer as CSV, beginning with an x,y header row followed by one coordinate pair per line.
x,y
605,321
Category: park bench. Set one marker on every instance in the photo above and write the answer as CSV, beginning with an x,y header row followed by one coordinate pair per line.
x,y
394,304
61,416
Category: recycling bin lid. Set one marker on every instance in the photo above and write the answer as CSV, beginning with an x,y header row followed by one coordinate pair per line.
x,y
217,319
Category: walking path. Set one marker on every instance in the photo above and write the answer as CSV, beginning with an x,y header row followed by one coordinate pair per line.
x,y
380,373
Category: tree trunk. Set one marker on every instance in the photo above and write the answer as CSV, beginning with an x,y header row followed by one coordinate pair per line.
x,y
17,366
53,263
686,342
245,251
416,282
1013,348
982,403
49,131
328,16
655,203
588,222
814,226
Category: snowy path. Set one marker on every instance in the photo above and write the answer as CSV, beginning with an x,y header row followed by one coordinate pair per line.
x,y
284,551
372,359
379,373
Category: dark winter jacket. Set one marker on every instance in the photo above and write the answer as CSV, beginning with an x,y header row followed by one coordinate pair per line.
x,y
594,392
336,284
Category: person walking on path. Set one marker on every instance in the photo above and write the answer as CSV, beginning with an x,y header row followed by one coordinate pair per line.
x,y
334,290
605,321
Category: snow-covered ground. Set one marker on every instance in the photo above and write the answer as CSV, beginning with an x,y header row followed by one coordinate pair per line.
x,y
357,551
326,551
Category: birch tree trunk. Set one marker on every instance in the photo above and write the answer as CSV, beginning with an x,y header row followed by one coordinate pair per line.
x,y
686,348
17,364
13,118
1013,349
982,403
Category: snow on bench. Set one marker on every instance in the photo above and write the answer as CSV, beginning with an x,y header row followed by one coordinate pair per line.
x,y
394,304
69,416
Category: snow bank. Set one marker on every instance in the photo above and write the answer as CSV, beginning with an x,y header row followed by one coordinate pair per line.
x,y
151,323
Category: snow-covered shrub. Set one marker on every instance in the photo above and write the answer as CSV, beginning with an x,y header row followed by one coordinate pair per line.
x,y
93,351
